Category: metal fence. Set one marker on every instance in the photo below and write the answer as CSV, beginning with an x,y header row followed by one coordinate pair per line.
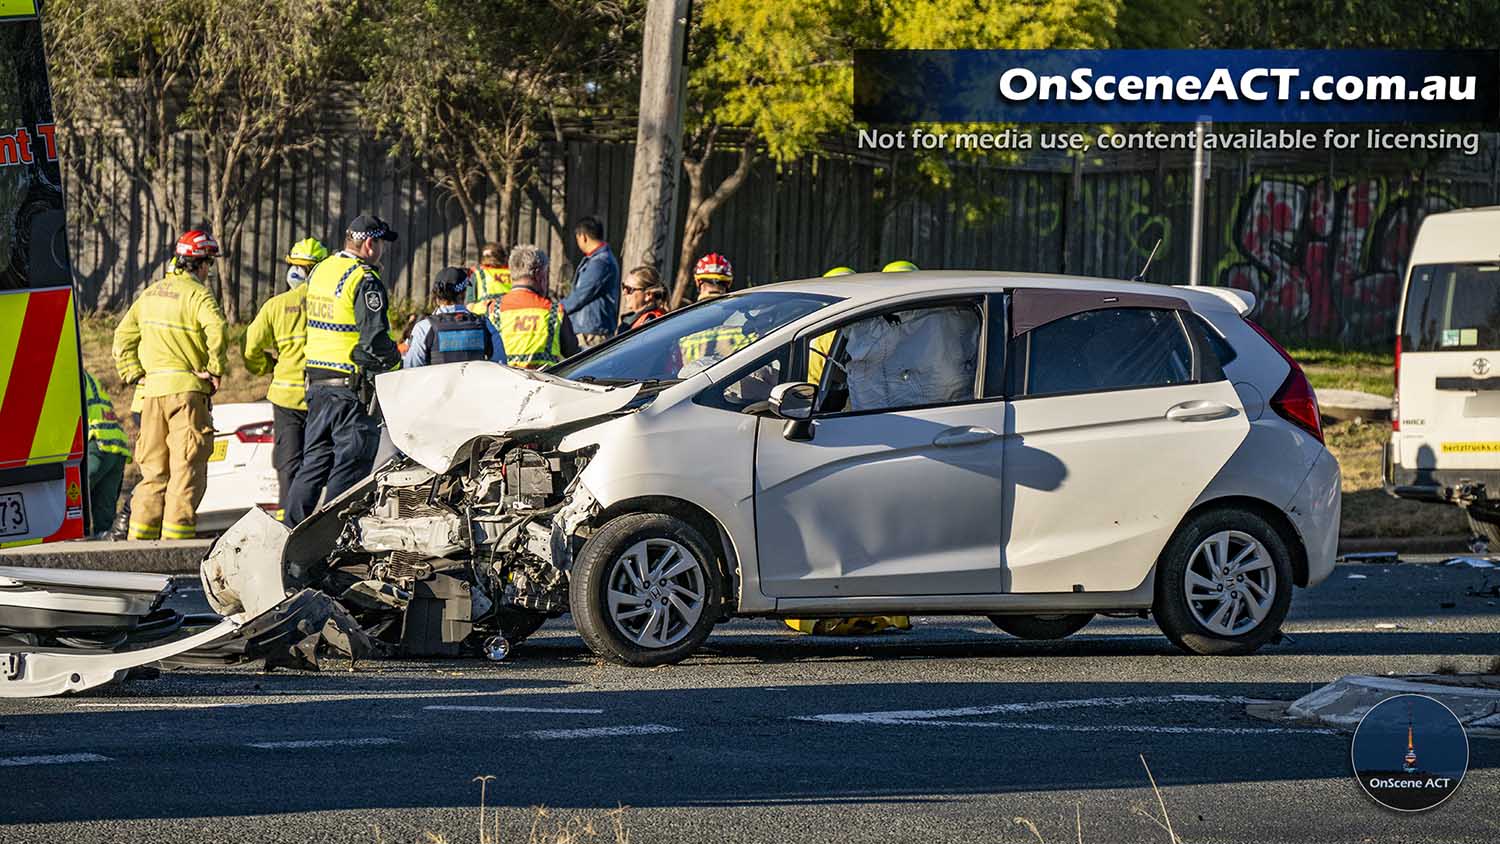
x,y
1320,240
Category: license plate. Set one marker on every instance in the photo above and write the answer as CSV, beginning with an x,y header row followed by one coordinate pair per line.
x,y
13,514
221,450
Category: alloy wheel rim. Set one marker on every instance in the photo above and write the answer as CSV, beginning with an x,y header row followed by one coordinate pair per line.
x,y
656,593
1230,583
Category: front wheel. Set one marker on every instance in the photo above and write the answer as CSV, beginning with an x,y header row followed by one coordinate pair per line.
x,y
1042,626
1223,583
645,590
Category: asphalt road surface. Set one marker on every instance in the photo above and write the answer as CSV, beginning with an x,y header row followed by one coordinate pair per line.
x,y
948,733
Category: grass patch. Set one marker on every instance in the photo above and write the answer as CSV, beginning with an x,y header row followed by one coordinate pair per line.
x,y
1339,369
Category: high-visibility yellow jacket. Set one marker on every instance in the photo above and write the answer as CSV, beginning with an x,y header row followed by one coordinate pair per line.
x,y
717,342
530,327
174,329
488,283
280,331
105,430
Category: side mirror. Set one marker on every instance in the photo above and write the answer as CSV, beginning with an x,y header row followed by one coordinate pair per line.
x,y
793,401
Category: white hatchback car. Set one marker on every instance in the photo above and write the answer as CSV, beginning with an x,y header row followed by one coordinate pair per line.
x,y
1034,449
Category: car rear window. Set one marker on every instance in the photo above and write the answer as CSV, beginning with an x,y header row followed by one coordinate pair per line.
x,y
1114,349
1452,307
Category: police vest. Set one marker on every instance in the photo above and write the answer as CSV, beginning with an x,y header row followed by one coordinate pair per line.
x,y
105,430
332,329
717,342
458,336
531,329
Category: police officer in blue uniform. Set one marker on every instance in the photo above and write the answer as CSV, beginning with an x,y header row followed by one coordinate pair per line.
x,y
348,342
452,333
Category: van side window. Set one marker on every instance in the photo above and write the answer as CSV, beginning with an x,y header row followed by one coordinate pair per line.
x,y
1094,351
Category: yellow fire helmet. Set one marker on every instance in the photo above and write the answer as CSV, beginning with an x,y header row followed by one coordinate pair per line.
x,y
899,267
837,271
307,252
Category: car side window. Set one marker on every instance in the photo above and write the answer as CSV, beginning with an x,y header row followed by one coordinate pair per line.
x,y
752,384
916,357
1099,350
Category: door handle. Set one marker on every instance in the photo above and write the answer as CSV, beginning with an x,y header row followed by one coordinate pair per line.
x,y
964,435
1200,411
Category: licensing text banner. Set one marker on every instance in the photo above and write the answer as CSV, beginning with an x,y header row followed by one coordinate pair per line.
x,y
1172,86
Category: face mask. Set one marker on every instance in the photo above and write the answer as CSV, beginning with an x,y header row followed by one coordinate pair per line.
x,y
295,275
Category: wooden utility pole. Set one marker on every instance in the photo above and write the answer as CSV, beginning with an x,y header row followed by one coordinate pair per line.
x,y
658,140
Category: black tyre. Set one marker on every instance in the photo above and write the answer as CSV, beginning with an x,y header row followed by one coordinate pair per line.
x,y
1042,626
1223,583
645,590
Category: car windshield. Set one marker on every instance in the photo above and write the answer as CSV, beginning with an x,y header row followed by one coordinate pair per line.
x,y
688,341
1452,308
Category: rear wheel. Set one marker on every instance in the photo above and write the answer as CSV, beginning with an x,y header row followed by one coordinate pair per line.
x,y
1042,626
645,590
1223,583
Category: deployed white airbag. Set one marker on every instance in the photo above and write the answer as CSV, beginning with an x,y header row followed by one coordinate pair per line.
x,y
912,358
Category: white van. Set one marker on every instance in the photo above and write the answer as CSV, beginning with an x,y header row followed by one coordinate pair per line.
x,y
1445,438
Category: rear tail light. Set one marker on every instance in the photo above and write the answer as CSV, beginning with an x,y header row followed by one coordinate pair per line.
x,y
259,432
1396,393
1294,400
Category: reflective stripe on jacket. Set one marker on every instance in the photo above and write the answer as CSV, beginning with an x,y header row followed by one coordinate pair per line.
x,y
281,327
105,430
174,329
332,331
530,328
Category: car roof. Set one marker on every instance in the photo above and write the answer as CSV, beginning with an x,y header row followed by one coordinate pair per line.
x,y
877,286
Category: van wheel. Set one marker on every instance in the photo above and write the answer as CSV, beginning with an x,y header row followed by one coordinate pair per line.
x,y
1488,531
1042,626
645,590
1223,583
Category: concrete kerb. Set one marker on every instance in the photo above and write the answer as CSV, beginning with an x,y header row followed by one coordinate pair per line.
x,y
1475,699
153,557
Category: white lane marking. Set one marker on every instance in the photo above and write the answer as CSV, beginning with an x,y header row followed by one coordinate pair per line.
x,y
55,759
603,732
926,715
310,743
159,705
1119,728
556,710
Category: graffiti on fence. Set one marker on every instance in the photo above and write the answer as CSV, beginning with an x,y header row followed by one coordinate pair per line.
x,y
1324,258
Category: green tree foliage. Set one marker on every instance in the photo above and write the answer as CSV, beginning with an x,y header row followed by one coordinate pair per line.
x,y
1347,24
245,79
783,70
469,87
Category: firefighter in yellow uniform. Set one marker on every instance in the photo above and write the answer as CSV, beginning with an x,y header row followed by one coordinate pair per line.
x,y
171,341
864,624
532,325
108,452
714,276
276,342
490,280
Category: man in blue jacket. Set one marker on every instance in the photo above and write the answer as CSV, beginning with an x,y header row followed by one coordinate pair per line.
x,y
594,305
